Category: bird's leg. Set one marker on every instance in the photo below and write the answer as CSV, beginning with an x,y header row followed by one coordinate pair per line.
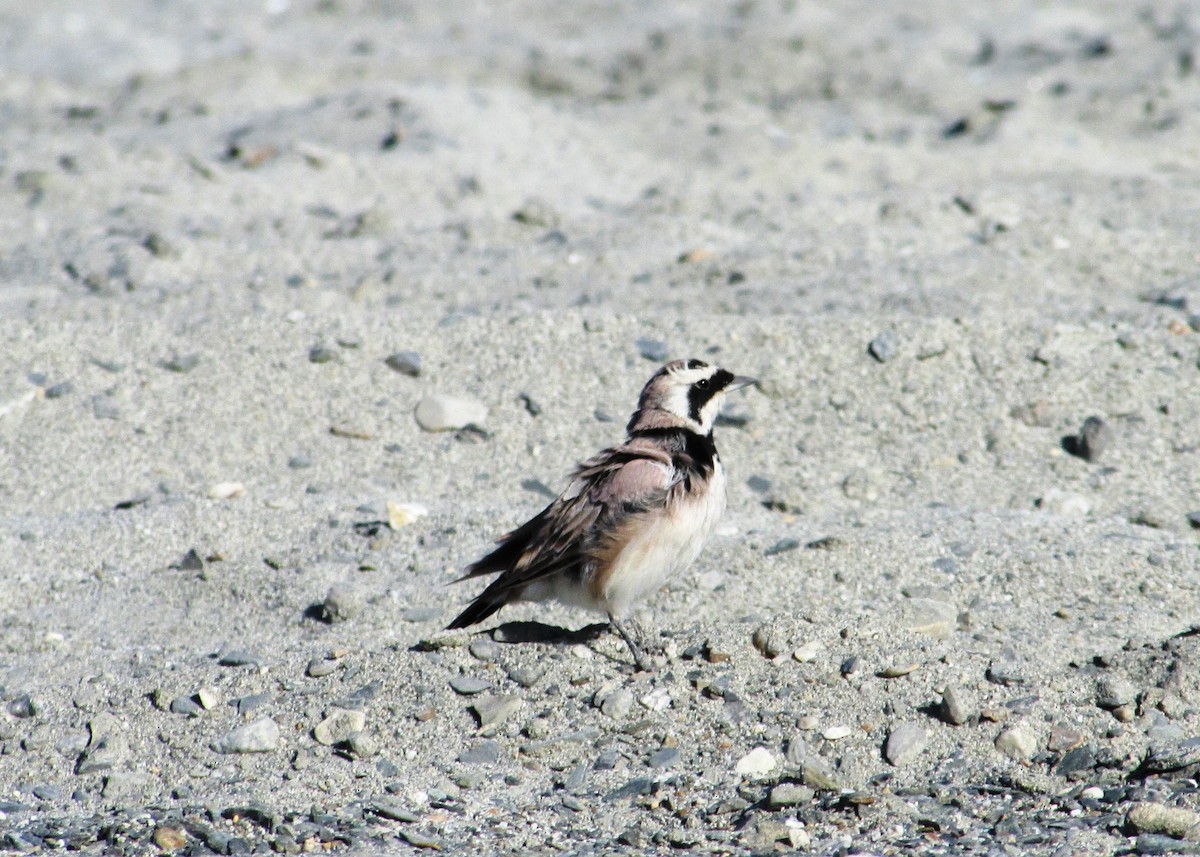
x,y
635,648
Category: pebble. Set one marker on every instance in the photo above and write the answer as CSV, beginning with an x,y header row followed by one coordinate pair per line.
x,y
884,346
226,490
483,753
1066,503
191,561
261,736
1176,821
770,641
483,649
656,700
1193,519
1114,691
362,745
182,363
339,726
1077,763
239,658
186,705
322,666
400,515
321,354
449,413
1017,742
1093,438
469,685
928,616
342,603
420,840
897,670
405,362
208,698
62,388
816,772
789,794
170,838
808,652
392,810
904,744
526,675
23,707
246,704
958,706
653,349
836,733
47,792
494,710
107,747
757,763
614,702
665,758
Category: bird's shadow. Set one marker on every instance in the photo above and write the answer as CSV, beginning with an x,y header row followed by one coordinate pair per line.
x,y
540,632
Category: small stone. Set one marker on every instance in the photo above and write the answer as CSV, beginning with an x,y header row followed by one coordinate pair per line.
x,y
449,413
1065,503
928,616
897,670
246,704
400,515
123,786
239,658
483,649
782,546
653,349
421,614
405,362
47,793
23,707
469,685
191,561
789,794
182,363
104,408
186,705
1077,763
836,733
338,726
57,391
208,698
656,700
494,710
757,763
614,702
1175,821
392,810
321,354
958,706
226,490
770,641
261,736
1063,738
884,346
1193,519
107,747
808,652
362,745
321,666
904,744
420,840
1017,742
342,603
483,753
816,772
665,758
1093,438
526,675
170,838
1114,691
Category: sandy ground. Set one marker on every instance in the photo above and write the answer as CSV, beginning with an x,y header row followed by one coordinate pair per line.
x,y
217,222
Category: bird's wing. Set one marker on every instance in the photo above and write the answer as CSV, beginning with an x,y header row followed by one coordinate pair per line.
x,y
603,490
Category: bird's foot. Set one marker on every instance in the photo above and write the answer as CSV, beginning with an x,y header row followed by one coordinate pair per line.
x,y
635,639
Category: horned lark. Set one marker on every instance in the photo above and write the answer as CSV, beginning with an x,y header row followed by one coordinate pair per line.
x,y
632,517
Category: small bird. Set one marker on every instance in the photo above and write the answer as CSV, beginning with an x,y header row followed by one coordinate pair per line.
x,y
631,518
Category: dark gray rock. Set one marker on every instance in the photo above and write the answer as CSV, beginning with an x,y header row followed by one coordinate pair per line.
x,y
884,346
483,753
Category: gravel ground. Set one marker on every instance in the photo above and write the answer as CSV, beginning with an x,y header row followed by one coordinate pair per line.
x,y
954,606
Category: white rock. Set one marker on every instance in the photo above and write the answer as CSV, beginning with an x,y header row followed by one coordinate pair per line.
x,y
448,413
1058,502
226,490
403,514
209,698
836,733
261,736
808,652
1017,742
339,726
658,699
757,763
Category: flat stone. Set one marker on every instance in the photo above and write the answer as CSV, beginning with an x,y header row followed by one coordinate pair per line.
x,y
653,349
469,685
958,706
405,362
107,747
613,702
339,726
928,616
1065,503
494,710
483,753
239,658
1017,742
391,809
186,705
884,346
342,603
1077,763
1176,821
361,745
261,736
789,794
665,758
449,413
757,763
904,744
1114,691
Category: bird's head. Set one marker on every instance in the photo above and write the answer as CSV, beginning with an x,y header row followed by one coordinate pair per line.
x,y
685,394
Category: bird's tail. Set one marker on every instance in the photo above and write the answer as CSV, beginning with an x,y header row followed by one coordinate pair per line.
x,y
481,608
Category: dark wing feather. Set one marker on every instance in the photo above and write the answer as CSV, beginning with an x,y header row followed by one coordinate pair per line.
x,y
618,482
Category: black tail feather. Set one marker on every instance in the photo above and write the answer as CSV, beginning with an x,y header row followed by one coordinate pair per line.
x,y
481,608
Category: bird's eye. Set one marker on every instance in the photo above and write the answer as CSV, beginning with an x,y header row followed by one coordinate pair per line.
x,y
702,383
